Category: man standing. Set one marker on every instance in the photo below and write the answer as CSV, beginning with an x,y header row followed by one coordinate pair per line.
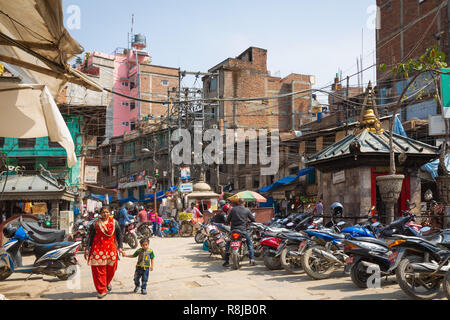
x,y
318,210
239,216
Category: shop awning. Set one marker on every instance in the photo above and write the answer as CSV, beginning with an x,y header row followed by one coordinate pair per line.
x,y
125,200
286,180
151,197
101,197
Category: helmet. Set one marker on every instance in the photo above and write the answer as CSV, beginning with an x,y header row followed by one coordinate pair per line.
x,y
129,205
337,209
222,203
141,208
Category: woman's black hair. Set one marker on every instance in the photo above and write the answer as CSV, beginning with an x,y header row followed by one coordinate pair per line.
x,y
105,208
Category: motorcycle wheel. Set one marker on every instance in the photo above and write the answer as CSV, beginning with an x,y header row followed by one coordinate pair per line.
x,y
272,263
235,261
315,266
132,241
199,238
421,288
286,263
145,231
446,285
5,273
222,252
359,275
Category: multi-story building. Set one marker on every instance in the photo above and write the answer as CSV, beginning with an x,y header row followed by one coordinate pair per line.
x,y
407,29
247,76
129,72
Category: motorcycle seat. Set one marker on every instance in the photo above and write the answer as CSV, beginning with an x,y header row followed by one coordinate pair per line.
x,y
42,235
372,240
41,249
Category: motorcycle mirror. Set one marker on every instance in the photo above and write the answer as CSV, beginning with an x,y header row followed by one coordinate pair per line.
x,y
310,227
290,224
341,223
80,228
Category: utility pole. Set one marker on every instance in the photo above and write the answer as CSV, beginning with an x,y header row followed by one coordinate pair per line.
x,y
346,106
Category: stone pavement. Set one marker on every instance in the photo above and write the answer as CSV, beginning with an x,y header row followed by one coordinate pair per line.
x,y
183,271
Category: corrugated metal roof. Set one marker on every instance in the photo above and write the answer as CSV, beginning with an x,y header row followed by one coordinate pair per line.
x,y
34,183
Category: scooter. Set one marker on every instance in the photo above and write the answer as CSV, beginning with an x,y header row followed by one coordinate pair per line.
x,y
55,259
40,235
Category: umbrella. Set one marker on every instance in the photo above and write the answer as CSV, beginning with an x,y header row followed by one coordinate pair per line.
x,y
248,196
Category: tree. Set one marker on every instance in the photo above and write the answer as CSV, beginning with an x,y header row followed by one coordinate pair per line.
x,y
431,62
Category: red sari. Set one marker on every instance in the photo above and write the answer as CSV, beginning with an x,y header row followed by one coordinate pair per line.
x,y
103,255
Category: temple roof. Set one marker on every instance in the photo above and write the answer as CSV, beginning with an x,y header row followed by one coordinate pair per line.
x,y
374,145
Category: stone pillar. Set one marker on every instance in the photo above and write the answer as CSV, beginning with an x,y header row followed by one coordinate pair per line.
x,y
416,193
390,187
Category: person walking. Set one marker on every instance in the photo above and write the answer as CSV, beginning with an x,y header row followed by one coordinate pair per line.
x,y
153,219
144,264
159,222
238,217
104,240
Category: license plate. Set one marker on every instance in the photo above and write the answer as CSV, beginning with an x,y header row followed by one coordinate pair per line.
x,y
220,241
78,239
349,260
393,256
236,244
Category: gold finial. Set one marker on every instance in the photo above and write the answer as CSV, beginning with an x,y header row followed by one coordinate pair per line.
x,y
369,118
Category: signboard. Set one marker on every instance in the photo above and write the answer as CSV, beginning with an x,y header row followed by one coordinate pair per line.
x,y
436,126
90,174
279,195
338,177
185,173
186,187
445,82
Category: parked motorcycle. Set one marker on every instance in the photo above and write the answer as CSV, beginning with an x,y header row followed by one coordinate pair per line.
x,y
216,240
324,252
54,259
200,234
144,230
238,248
424,266
130,235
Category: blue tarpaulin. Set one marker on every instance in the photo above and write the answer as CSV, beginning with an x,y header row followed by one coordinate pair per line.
x,y
432,167
151,197
125,200
101,198
398,127
286,180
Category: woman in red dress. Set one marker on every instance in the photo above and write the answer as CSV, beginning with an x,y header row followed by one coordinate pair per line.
x,y
101,252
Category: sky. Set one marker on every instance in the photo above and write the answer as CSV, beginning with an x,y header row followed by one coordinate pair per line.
x,y
317,37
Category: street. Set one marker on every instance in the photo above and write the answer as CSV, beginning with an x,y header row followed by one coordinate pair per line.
x,y
183,271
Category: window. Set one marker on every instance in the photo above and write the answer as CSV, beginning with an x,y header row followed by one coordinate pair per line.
x,y
27,143
293,171
256,182
213,85
132,105
132,85
125,103
56,163
165,83
132,126
125,124
124,84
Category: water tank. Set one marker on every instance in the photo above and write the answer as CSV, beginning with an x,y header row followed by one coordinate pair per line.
x,y
139,41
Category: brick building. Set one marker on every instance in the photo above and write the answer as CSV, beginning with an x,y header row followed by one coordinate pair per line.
x,y
247,76
408,28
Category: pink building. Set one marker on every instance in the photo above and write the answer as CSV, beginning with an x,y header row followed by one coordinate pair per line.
x,y
128,71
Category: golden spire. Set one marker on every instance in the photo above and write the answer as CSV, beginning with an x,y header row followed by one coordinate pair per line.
x,y
369,118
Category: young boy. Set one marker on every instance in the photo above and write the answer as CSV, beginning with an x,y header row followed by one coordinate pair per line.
x,y
143,266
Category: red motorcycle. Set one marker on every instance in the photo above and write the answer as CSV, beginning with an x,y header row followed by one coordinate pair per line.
x,y
269,246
